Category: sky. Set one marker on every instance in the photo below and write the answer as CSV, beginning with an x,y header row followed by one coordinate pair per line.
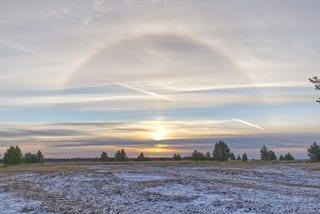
x,y
79,77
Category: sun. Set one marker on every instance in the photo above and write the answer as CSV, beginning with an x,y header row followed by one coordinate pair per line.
x,y
158,136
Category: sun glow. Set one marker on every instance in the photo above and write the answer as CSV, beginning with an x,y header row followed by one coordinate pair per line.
x,y
158,135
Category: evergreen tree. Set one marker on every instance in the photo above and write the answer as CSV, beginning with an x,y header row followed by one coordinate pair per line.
x,y
267,155
232,157
271,155
120,155
30,158
221,151
33,158
314,152
197,156
264,153
238,157
40,157
176,157
208,156
244,157
281,158
288,157
141,157
12,156
104,157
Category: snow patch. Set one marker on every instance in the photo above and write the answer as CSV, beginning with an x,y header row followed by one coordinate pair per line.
x,y
140,177
274,188
174,190
11,203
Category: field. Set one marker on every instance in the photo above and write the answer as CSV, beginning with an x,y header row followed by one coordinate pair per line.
x,y
161,187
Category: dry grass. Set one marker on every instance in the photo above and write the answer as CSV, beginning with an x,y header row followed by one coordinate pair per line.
x,y
72,167
63,187
314,166
43,168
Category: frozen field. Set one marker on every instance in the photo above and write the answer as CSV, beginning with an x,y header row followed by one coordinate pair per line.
x,y
160,188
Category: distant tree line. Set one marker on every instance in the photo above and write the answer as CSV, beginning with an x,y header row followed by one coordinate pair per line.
x,y
269,155
221,152
120,155
13,156
286,157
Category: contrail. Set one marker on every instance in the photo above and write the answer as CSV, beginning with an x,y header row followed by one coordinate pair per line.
x,y
249,124
143,91
17,46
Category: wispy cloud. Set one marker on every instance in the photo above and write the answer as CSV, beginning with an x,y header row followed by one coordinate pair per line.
x,y
127,131
249,124
89,139
143,91
17,46
198,64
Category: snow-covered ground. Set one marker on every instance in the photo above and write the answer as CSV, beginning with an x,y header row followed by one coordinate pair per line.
x,y
165,188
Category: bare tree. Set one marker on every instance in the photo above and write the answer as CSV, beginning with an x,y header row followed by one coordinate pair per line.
x,y
316,81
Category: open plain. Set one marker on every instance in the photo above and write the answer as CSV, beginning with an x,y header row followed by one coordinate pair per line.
x,y
161,187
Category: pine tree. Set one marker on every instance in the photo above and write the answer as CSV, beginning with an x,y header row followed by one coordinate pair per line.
x,y
104,157
244,157
120,155
40,157
264,153
13,156
281,158
272,155
238,157
288,157
197,156
208,156
221,151
176,157
267,155
30,158
33,158
232,157
141,157
314,152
